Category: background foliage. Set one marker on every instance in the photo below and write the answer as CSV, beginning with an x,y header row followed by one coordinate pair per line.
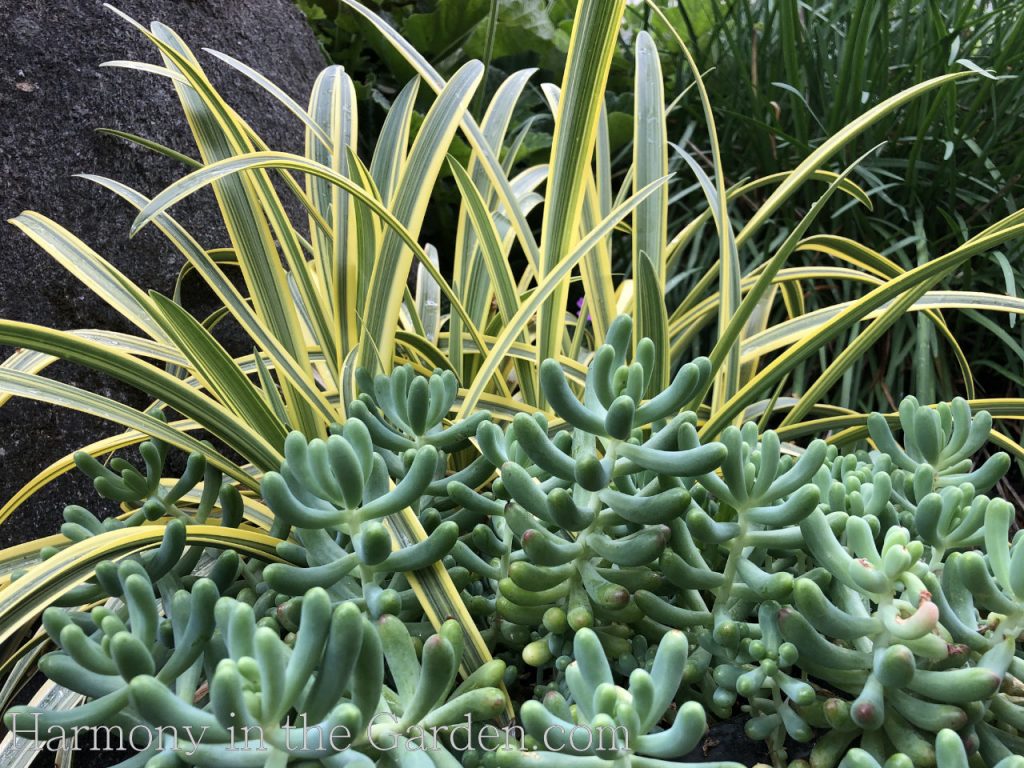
x,y
508,35
791,73
785,76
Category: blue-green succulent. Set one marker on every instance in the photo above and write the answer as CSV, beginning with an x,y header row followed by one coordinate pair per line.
x,y
628,576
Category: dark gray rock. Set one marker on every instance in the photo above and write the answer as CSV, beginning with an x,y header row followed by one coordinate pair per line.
x,y
53,95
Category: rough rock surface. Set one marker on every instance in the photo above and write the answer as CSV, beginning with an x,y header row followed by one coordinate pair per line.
x,y
53,95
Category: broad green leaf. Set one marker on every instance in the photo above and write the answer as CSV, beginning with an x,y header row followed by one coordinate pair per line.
x,y
189,184
144,377
56,393
435,32
595,31
726,380
393,262
475,137
98,275
503,343
219,372
913,283
332,110
468,270
23,600
650,161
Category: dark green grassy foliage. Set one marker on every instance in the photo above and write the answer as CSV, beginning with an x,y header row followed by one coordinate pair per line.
x,y
788,74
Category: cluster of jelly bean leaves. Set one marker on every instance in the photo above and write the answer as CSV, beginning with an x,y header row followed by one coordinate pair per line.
x,y
627,579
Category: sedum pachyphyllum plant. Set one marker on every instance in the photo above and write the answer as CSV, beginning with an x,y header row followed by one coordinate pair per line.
x,y
463,506
626,577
